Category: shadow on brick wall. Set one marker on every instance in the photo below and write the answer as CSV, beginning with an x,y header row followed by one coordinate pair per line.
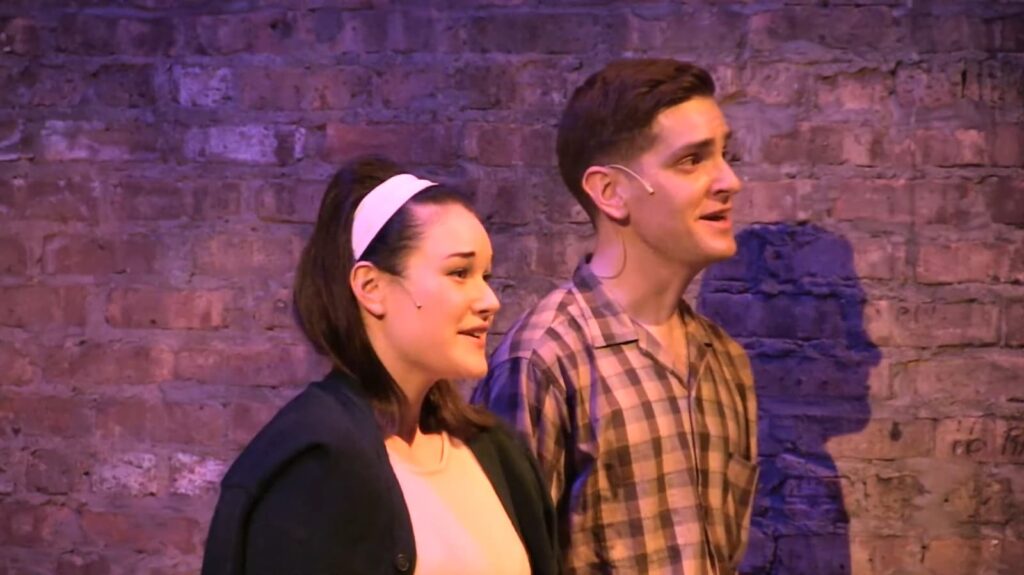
x,y
793,300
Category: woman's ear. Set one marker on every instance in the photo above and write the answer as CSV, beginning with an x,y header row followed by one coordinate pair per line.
x,y
366,284
606,193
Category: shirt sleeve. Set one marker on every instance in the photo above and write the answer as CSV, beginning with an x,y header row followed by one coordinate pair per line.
x,y
531,399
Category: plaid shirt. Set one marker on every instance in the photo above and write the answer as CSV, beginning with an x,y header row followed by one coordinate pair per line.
x,y
616,430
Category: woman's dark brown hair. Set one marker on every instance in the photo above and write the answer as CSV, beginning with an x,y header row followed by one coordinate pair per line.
x,y
327,310
608,118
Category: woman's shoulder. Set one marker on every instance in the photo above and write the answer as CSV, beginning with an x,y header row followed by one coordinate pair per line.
x,y
327,418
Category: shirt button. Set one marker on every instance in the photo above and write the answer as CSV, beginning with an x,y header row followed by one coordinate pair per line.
x,y
402,562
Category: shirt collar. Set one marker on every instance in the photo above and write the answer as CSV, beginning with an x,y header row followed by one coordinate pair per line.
x,y
607,323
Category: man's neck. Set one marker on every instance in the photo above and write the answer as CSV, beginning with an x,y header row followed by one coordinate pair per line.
x,y
646,286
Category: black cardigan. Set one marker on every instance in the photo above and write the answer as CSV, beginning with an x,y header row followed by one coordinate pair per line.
x,y
314,493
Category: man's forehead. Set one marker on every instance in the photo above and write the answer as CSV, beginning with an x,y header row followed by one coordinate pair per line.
x,y
695,119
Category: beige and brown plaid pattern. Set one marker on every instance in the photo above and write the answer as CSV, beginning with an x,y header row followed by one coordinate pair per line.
x,y
616,430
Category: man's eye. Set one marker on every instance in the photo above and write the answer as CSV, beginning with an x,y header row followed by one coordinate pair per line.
x,y
691,161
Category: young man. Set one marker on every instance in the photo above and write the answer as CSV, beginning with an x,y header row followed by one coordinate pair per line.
x,y
641,412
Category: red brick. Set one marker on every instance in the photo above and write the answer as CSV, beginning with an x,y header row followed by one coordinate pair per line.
x,y
807,145
931,324
980,439
800,30
142,531
1015,323
878,258
1005,200
37,526
510,145
62,141
253,144
145,307
123,86
962,378
98,256
17,367
948,148
957,204
52,472
710,29
293,202
15,141
948,33
274,309
62,200
766,202
871,553
886,439
264,366
775,84
203,87
42,306
508,196
150,200
415,144
334,30
13,257
195,475
955,556
996,83
266,32
87,34
865,89
1007,145
75,564
929,85
45,416
235,255
19,36
104,363
544,33
138,421
127,474
41,86
419,85
964,262
332,88
873,200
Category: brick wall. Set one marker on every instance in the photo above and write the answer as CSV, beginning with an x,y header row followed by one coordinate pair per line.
x,y
161,162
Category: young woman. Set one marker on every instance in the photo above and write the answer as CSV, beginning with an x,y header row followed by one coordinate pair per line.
x,y
381,467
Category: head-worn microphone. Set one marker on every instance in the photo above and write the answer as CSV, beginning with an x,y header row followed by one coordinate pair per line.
x,y
643,182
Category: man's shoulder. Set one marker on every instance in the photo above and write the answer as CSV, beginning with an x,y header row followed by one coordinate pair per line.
x,y
554,325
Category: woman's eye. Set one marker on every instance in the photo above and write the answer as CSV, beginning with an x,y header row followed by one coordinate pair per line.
x,y
460,273
487,277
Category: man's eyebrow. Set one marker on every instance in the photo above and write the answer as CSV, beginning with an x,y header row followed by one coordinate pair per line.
x,y
687,149
699,146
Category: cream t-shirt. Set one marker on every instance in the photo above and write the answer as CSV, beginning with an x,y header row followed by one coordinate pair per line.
x,y
459,524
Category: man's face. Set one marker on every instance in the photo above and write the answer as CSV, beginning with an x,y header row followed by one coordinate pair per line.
x,y
687,221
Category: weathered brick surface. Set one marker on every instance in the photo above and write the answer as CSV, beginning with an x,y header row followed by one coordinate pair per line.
x,y
161,162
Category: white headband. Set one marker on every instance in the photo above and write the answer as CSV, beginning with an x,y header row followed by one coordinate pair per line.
x,y
377,207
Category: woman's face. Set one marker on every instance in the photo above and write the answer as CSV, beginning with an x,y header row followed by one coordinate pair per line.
x,y
440,308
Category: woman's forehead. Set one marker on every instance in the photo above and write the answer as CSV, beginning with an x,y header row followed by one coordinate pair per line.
x,y
446,229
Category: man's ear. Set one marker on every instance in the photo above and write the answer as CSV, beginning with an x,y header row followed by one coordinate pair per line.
x,y
606,193
367,285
